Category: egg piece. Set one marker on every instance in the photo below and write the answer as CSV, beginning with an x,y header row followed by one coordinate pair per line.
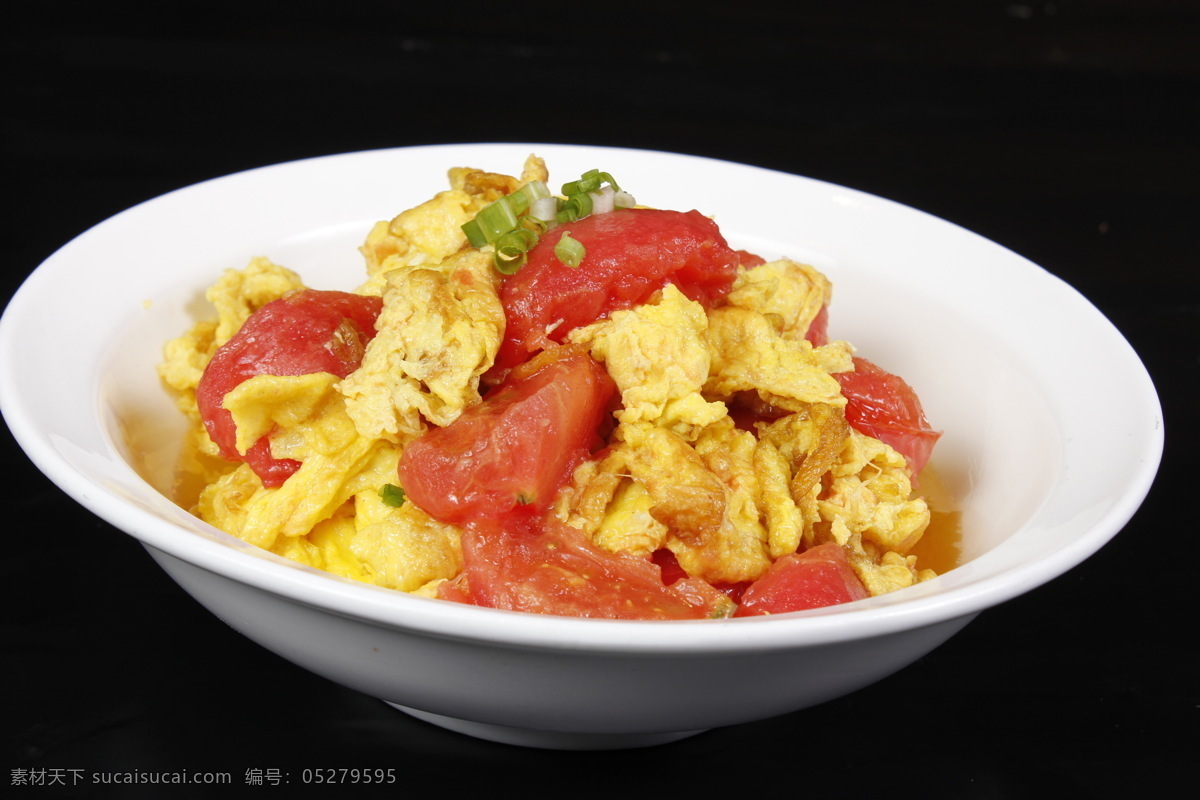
x,y
403,548
654,489
883,571
369,540
657,356
264,402
184,360
332,456
612,508
869,493
439,331
810,443
327,547
749,354
785,522
786,291
742,552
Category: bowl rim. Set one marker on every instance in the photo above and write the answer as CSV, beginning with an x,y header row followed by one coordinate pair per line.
x,y
450,620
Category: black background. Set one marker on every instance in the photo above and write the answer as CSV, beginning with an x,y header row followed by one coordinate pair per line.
x,y
1066,131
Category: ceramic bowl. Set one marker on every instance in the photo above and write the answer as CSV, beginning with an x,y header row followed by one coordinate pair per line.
x,y
1046,456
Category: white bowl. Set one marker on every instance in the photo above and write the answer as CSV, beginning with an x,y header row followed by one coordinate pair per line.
x,y
1053,434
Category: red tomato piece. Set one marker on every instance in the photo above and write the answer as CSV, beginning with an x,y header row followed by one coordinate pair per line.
x,y
549,567
820,576
631,253
884,406
301,333
517,447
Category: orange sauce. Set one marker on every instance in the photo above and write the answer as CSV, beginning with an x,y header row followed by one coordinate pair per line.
x,y
940,548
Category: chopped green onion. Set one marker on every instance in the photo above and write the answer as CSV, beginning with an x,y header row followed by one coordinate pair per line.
x,y
513,223
511,249
543,209
603,201
391,495
535,225
522,238
575,207
527,195
569,251
474,233
509,260
590,181
491,222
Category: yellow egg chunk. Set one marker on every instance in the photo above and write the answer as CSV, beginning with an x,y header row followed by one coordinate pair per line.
x,y
403,548
870,494
658,358
783,290
749,354
264,402
326,547
438,333
332,456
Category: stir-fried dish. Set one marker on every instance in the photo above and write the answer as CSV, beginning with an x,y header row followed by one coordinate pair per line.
x,y
562,403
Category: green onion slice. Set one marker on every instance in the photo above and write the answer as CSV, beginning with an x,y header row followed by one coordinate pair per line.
x,y
391,495
512,249
569,251
474,233
524,197
575,207
590,181
535,225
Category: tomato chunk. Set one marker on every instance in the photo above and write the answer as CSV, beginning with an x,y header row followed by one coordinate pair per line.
x,y
551,568
517,447
820,576
631,253
884,406
301,333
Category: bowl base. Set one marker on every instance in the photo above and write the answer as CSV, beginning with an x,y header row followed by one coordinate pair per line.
x,y
550,740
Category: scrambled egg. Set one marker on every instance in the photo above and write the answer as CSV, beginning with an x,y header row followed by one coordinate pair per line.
x,y
439,332
678,473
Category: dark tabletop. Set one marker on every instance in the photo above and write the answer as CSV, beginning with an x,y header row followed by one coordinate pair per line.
x,y
1066,131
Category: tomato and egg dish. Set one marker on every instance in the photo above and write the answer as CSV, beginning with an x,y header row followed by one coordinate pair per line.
x,y
562,404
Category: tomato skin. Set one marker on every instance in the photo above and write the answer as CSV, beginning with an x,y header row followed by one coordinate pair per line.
x,y
631,253
820,576
548,567
515,449
884,406
301,333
